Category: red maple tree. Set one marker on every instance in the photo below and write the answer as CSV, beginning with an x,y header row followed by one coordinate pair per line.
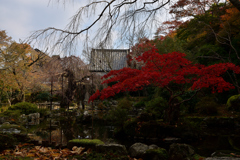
x,y
164,70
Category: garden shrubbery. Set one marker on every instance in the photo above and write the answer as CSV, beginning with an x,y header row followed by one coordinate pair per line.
x,y
24,108
156,107
207,106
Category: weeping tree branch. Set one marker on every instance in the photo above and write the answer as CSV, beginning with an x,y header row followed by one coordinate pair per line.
x,y
111,18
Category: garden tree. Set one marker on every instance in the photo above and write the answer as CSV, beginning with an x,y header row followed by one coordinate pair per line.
x,y
66,73
124,17
17,67
213,37
171,72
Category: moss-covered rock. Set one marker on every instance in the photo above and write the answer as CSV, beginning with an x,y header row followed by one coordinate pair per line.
x,y
137,150
233,103
87,143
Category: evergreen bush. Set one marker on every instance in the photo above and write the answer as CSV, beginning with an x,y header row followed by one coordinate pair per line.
x,y
24,108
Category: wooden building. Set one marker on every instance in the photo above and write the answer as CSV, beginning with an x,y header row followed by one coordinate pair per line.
x,y
105,60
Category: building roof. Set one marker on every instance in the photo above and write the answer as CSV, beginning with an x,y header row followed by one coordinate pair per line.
x,y
105,60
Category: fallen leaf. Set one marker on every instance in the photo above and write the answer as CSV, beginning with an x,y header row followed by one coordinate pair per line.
x,y
30,155
37,147
56,155
33,150
74,148
43,150
19,154
89,150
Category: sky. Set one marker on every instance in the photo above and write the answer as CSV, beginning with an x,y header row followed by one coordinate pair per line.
x,y
22,17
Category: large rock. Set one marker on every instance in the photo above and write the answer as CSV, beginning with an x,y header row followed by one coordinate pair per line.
x,y
181,152
153,146
115,148
137,150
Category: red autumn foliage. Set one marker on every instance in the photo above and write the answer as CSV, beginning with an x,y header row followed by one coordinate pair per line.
x,y
161,70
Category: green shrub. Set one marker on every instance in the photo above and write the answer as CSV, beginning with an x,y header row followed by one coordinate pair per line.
x,y
207,106
130,126
125,104
7,141
159,153
117,115
156,107
146,116
43,96
11,114
24,108
139,104
233,103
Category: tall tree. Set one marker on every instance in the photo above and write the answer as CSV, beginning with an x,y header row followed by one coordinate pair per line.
x,y
17,67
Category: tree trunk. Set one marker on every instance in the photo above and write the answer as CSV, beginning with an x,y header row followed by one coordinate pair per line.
x,y
172,114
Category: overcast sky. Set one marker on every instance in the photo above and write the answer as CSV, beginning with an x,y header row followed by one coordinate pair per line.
x,y
21,17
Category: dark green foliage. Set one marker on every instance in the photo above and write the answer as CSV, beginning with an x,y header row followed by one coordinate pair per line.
x,y
24,108
117,115
140,104
7,141
43,96
189,129
43,111
11,114
156,107
145,117
159,153
130,126
170,45
207,106
125,103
